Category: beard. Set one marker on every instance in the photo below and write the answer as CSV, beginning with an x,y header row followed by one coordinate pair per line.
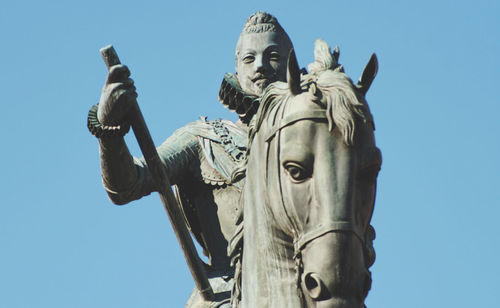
x,y
260,85
261,81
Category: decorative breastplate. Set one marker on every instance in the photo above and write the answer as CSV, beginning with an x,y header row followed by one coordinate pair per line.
x,y
237,153
223,146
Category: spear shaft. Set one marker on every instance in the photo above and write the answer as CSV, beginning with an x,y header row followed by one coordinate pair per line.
x,y
160,177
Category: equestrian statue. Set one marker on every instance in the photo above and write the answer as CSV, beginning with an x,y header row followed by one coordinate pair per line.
x,y
280,200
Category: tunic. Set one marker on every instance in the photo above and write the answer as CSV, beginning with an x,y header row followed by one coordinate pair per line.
x,y
200,158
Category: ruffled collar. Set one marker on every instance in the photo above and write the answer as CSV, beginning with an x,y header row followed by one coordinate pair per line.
x,y
232,96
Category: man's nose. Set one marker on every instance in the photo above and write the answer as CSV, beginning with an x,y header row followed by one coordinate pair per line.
x,y
259,64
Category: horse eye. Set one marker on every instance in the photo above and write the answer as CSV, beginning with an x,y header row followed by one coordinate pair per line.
x,y
296,171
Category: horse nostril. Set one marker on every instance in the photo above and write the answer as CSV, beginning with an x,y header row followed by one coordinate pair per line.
x,y
314,285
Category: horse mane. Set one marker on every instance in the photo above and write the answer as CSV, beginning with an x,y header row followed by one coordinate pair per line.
x,y
275,94
344,104
330,88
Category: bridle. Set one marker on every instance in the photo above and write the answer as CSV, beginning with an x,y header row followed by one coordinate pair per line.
x,y
302,240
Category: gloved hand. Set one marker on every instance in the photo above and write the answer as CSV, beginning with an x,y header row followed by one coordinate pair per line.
x,y
118,96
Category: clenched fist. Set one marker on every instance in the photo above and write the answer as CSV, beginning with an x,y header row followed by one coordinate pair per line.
x,y
118,96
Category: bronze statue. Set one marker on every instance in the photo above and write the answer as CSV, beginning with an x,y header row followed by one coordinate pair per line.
x,y
310,190
302,156
200,157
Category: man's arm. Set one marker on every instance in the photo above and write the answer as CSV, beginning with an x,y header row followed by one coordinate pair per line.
x,y
118,170
127,178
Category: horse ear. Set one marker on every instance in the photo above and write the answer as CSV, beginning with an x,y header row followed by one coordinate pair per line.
x,y
293,73
369,73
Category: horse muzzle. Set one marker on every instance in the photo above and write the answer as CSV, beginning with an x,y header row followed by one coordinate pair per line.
x,y
334,273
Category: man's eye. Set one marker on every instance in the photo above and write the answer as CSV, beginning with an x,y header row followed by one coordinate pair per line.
x,y
296,171
275,56
248,59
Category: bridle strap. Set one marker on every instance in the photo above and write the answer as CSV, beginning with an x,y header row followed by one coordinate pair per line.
x,y
334,226
308,237
318,114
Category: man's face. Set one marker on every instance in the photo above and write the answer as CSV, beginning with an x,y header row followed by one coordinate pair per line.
x,y
261,60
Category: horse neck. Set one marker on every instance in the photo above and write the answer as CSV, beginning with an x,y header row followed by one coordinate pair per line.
x,y
269,271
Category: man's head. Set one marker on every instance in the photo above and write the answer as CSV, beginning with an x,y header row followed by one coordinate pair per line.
x,y
261,53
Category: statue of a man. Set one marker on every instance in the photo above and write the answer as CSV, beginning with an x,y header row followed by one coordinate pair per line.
x,y
201,156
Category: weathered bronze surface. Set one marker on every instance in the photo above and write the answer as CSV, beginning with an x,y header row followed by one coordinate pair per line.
x,y
310,190
199,158
301,234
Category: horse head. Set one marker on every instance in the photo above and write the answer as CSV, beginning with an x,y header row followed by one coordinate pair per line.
x,y
320,181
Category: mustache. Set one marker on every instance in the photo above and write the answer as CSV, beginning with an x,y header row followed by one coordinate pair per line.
x,y
270,77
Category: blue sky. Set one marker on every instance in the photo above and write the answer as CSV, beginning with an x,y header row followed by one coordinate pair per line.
x,y
435,103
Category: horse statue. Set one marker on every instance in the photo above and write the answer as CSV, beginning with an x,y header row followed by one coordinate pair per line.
x,y
310,187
